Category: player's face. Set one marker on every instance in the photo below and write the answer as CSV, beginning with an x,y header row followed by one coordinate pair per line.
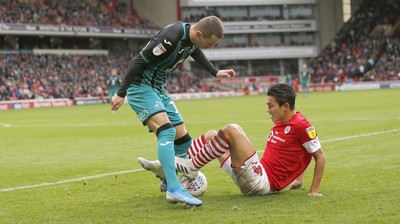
x,y
207,43
276,112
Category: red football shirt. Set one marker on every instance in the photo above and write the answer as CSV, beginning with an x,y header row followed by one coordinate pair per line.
x,y
288,150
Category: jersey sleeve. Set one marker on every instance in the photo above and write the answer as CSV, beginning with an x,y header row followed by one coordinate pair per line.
x,y
203,61
309,137
135,66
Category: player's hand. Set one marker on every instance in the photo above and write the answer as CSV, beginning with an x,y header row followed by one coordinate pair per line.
x,y
229,73
315,194
117,102
295,185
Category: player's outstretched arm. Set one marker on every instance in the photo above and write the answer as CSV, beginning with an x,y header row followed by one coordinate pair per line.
x,y
320,162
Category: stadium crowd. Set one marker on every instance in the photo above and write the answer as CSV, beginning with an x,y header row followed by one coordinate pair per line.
x,y
367,48
249,13
27,76
98,13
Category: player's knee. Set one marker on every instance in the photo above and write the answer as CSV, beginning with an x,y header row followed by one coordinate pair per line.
x,y
166,130
210,134
232,129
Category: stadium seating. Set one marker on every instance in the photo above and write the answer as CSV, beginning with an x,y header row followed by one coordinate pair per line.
x,y
72,12
367,48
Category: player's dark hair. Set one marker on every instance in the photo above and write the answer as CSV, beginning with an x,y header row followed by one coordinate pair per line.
x,y
283,93
210,25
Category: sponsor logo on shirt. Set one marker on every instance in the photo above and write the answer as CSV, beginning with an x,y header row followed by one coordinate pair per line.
x,y
273,138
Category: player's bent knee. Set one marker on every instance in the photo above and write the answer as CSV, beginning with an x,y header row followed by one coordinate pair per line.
x,y
232,129
210,134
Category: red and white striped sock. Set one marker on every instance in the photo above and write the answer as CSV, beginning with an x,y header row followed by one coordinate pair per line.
x,y
196,146
215,148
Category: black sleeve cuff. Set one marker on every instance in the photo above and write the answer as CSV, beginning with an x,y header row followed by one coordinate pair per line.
x,y
121,93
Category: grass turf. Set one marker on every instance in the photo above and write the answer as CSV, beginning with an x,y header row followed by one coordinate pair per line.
x,y
47,151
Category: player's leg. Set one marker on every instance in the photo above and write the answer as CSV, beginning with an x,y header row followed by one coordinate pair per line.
x,y
182,138
240,147
199,143
251,177
165,133
166,155
156,119
232,138
182,142
196,146
242,163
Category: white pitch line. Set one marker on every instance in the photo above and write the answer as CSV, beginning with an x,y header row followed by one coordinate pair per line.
x,y
137,170
361,135
70,180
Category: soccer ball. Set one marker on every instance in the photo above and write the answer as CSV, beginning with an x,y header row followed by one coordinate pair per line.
x,y
196,187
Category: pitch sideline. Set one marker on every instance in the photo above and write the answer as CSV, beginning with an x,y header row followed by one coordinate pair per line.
x,y
137,170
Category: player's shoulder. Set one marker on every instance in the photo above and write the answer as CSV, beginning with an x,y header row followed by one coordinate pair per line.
x,y
301,121
172,32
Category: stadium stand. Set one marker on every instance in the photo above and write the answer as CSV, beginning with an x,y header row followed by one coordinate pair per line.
x,y
28,76
72,12
47,76
367,48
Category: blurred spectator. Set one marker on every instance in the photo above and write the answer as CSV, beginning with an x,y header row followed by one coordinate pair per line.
x,y
27,76
367,48
108,13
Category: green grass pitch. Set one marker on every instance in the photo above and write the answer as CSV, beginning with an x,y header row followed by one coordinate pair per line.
x,y
78,164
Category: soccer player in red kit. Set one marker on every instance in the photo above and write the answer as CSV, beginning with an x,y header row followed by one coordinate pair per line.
x,y
291,144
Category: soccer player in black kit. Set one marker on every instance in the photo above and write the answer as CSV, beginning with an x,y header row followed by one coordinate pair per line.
x,y
144,85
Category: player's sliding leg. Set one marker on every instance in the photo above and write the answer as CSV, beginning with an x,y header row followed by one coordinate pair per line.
x,y
166,155
213,149
199,143
196,146
230,140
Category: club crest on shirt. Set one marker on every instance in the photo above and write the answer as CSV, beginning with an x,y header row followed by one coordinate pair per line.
x,y
312,133
287,129
159,49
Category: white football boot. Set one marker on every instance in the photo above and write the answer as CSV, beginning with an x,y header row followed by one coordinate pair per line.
x,y
153,166
182,165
